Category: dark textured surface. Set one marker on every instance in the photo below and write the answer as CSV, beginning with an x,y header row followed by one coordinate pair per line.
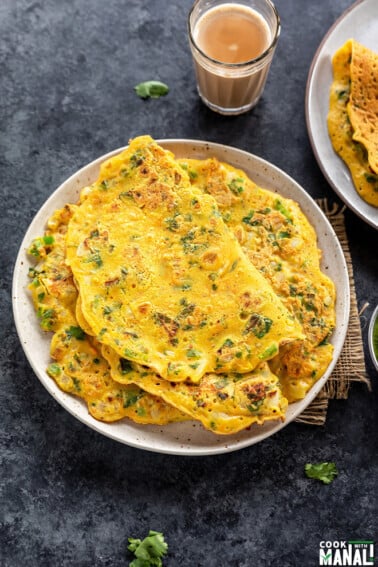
x,y
68,496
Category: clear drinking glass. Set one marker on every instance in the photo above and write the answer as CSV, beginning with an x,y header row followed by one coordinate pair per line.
x,y
232,44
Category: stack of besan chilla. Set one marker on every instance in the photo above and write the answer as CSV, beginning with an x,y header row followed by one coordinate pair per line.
x,y
179,289
353,115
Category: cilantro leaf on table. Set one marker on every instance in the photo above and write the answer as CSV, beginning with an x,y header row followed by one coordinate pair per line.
x,y
149,551
325,472
151,89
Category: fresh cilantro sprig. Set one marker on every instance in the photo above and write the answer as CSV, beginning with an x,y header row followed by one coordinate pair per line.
x,y
149,551
325,472
151,89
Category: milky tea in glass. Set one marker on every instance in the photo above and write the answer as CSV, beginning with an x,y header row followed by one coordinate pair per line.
x,y
232,45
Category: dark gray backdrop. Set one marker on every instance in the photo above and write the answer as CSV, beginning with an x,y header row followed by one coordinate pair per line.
x,y
69,496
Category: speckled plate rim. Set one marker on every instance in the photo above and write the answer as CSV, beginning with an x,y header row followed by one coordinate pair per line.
x,y
359,21
373,320
187,438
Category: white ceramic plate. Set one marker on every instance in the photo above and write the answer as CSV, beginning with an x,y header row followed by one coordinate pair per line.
x,y
185,438
373,320
360,22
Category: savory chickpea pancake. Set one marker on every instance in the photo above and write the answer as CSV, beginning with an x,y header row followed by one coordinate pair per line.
x,y
173,285
223,403
278,239
363,101
180,290
78,366
353,115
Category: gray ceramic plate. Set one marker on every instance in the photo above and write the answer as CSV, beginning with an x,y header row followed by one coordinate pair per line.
x,y
360,22
185,438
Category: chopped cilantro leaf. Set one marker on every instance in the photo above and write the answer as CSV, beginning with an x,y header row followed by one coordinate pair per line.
x,y
151,89
255,406
192,353
46,318
258,325
247,219
284,234
172,223
54,370
149,551
269,352
125,366
279,206
325,472
371,178
76,333
236,186
192,175
39,245
131,398
95,258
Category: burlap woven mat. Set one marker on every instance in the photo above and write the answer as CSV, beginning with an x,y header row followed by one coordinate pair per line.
x,y
350,366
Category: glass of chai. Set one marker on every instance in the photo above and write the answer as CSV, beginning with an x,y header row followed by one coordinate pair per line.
x,y
232,45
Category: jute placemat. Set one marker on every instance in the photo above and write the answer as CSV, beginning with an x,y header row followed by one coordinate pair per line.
x,y
350,366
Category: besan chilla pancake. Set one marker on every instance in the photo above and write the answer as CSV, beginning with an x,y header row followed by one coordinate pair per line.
x,y
77,365
281,243
363,102
162,280
353,115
